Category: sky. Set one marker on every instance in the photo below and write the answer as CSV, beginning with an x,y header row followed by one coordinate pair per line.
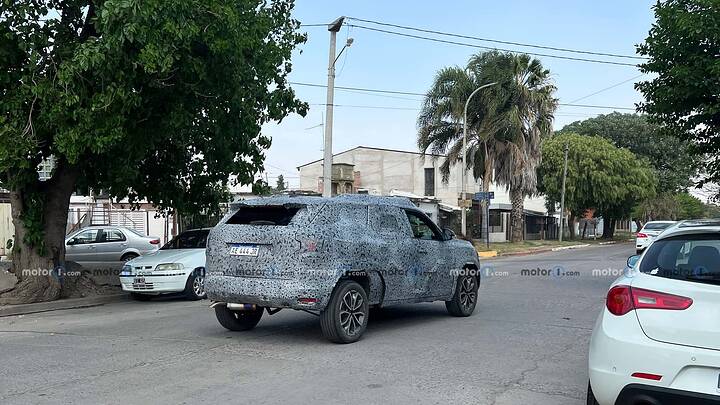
x,y
389,62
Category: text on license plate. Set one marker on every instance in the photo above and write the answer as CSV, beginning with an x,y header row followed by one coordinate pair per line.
x,y
244,250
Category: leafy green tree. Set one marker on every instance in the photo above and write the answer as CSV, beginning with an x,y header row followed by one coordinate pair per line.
x,y
683,94
690,207
664,206
600,176
280,183
506,122
160,100
669,156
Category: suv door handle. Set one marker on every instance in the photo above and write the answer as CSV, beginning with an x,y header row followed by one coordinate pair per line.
x,y
422,250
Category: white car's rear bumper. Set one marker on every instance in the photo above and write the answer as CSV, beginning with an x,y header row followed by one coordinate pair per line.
x,y
619,348
642,243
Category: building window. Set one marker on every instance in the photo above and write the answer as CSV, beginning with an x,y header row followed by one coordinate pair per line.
x,y
430,181
495,221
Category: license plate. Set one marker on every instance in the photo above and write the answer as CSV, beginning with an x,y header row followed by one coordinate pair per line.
x,y
244,250
139,281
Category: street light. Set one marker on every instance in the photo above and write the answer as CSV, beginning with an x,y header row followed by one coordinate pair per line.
x,y
334,27
464,157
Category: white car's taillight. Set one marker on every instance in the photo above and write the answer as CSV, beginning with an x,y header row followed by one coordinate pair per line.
x,y
622,299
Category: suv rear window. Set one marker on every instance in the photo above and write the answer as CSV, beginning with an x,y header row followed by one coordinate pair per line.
x,y
686,257
279,215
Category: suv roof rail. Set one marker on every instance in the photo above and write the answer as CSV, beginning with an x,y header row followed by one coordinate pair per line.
x,y
699,222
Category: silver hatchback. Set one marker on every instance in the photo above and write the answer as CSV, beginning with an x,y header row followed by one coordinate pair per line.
x,y
108,244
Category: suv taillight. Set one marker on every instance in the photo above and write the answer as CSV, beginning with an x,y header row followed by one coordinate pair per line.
x,y
622,299
155,242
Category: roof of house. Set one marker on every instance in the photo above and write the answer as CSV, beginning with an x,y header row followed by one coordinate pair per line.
x,y
373,148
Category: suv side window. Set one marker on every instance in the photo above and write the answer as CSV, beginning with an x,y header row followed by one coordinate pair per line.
x,y
422,227
384,220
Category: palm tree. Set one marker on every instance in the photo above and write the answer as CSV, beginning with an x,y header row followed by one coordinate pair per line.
x,y
440,122
506,122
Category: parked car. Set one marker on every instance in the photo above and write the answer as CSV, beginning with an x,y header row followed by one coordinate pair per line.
x,y
334,257
108,244
649,232
657,341
179,266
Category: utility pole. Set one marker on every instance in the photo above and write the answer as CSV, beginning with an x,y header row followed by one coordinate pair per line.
x,y
562,196
463,172
334,27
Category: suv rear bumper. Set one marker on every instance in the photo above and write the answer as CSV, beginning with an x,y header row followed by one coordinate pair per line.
x,y
267,292
648,394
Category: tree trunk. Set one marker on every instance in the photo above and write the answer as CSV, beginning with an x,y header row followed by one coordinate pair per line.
x,y
608,228
35,264
571,226
516,215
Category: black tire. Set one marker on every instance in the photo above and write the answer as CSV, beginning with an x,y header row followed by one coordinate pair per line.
x,y
195,286
465,298
590,396
238,321
128,256
350,298
140,297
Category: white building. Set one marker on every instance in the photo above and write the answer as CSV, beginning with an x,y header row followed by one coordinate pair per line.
x,y
380,171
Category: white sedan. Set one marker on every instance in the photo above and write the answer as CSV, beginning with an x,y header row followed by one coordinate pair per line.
x,y
657,341
179,266
650,231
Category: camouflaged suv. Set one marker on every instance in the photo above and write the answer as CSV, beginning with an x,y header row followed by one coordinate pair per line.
x,y
335,258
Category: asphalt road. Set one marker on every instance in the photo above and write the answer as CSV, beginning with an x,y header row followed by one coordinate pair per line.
x,y
525,344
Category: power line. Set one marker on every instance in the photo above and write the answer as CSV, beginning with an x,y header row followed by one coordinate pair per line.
x,y
553,48
406,93
423,94
608,88
370,106
444,41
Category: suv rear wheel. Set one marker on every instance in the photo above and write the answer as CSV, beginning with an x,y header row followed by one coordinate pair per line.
x,y
238,321
345,318
465,298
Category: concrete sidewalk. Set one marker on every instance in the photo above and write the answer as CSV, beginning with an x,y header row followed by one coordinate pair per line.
x,y
69,303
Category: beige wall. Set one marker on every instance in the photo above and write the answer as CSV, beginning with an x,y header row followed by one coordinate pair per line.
x,y
384,170
7,231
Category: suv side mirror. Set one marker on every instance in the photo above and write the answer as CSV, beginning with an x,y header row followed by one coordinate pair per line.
x,y
632,260
72,241
448,233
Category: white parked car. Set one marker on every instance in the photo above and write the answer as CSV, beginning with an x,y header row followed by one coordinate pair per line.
x,y
657,341
649,232
179,266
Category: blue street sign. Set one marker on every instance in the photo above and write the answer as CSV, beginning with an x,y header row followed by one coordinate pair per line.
x,y
484,195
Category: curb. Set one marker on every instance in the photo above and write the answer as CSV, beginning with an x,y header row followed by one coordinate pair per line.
x,y
540,250
570,247
69,303
487,254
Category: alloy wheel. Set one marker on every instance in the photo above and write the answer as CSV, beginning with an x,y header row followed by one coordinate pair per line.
x,y
468,295
199,285
352,315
